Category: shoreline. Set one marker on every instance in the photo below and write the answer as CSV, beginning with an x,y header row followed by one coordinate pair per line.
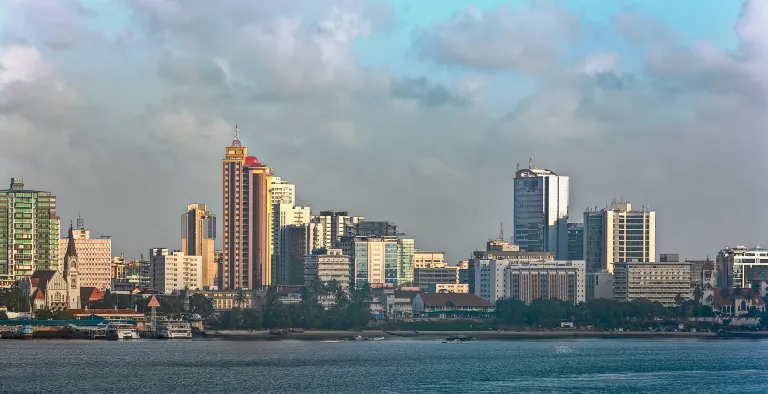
x,y
329,335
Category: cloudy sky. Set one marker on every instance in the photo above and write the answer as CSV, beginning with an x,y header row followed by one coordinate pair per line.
x,y
411,111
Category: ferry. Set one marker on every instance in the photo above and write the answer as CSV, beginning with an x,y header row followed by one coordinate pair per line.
x,y
121,331
25,332
173,329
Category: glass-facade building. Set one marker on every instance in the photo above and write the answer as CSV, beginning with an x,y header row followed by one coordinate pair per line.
x,y
380,259
29,233
541,211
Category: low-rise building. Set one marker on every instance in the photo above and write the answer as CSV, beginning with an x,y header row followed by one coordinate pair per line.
x,y
657,282
424,277
737,302
327,265
224,300
529,280
448,288
451,305
428,259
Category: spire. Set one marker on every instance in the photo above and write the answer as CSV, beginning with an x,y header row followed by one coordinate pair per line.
x,y
71,243
236,140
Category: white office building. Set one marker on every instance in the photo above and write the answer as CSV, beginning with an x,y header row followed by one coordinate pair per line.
x,y
530,280
328,266
618,233
541,211
175,271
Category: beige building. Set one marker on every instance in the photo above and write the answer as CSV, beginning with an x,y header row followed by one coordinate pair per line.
x,y
657,282
428,259
94,256
198,236
561,279
618,233
449,288
175,271
328,266
424,277
227,299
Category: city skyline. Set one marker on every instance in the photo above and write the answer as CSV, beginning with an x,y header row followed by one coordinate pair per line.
x,y
441,130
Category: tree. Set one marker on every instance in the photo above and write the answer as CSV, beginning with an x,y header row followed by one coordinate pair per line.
x,y
62,314
511,311
241,298
3,315
201,305
698,294
43,314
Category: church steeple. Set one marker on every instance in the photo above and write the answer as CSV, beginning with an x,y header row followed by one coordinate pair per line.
x,y
71,251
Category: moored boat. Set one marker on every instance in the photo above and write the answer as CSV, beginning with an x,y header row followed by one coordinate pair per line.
x,y
457,339
173,329
121,331
25,332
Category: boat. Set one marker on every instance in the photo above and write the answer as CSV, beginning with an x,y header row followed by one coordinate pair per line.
x,y
374,338
25,332
457,339
173,329
121,331
277,331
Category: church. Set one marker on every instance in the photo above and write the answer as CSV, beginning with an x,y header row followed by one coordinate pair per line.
x,y
55,289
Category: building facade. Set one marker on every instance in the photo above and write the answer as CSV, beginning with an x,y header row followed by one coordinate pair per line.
x,y
327,265
329,226
29,233
478,265
575,241
618,233
198,238
530,280
599,285
424,277
654,281
724,264
380,259
541,211
94,255
56,288
750,268
247,243
172,272
428,259
289,220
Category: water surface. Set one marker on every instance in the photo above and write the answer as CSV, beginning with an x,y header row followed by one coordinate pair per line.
x,y
392,366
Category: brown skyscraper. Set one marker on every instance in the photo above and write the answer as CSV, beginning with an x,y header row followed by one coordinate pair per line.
x,y
198,234
247,258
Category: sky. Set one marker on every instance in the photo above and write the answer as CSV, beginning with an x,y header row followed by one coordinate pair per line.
x,y
416,112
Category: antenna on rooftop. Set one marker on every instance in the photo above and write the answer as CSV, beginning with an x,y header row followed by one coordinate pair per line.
x,y
80,222
236,140
530,163
501,235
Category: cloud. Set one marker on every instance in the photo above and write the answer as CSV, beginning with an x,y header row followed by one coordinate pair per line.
x,y
127,123
502,38
426,93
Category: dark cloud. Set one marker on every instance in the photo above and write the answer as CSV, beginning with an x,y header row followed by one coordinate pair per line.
x,y
426,93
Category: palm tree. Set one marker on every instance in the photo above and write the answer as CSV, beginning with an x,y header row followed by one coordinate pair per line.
x,y
241,298
698,294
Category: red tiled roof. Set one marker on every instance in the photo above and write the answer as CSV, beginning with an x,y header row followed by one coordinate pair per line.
x,y
456,299
748,294
43,277
91,294
39,295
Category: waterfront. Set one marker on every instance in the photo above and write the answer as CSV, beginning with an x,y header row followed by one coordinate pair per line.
x,y
392,366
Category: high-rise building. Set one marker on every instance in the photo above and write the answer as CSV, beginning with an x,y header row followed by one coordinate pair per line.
x,y
328,227
175,271
750,268
95,255
575,241
405,260
373,228
724,264
294,248
284,216
618,233
198,237
29,233
541,211
247,259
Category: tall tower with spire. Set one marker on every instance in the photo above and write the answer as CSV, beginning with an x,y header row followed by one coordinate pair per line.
x,y
71,271
247,215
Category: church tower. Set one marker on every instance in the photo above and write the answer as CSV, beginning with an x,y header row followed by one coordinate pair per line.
x,y
70,272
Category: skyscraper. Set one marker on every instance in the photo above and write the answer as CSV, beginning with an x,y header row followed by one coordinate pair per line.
x,y
328,227
618,233
285,213
198,236
247,257
29,233
541,211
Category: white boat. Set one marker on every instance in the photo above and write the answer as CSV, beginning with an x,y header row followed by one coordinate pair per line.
x,y
374,338
121,331
173,329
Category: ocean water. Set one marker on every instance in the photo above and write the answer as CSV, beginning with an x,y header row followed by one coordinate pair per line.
x,y
391,366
